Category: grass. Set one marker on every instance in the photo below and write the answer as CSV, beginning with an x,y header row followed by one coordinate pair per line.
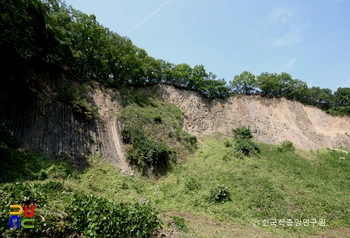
x,y
272,186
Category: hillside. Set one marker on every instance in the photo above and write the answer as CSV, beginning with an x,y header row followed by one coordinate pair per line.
x,y
107,141
272,121
260,187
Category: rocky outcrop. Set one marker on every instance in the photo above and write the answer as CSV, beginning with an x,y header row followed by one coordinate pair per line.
x,y
56,131
272,120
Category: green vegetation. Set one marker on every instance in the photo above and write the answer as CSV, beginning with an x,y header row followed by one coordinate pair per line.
x,y
35,33
272,186
244,146
219,193
72,95
143,118
219,184
286,146
79,213
180,223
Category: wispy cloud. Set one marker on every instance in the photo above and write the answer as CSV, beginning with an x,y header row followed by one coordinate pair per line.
x,y
293,35
146,19
290,63
287,25
280,15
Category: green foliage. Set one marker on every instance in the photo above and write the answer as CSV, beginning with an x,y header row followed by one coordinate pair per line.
x,y
246,147
53,186
219,193
286,146
245,83
157,119
147,148
72,96
180,223
96,216
228,143
85,214
341,102
242,133
192,184
59,171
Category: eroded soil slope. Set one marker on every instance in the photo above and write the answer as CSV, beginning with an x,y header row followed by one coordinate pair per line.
x,y
272,120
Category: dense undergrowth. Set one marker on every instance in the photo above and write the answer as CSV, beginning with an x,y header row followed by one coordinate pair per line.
x,y
152,131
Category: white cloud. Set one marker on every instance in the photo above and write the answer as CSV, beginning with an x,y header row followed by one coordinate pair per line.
x,y
292,36
290,63
287,27
280,15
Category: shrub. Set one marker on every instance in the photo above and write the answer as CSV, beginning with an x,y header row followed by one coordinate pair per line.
x,y
191,184
192,140
85,215
144,152
286,146
98,217
242,133
227,143
53,186
246,147
158,119
219,193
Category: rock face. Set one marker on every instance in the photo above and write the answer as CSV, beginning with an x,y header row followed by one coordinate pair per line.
x,y
54,130
272,120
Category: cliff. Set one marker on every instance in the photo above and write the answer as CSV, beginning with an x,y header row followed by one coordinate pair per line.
x,y
272,120
53,129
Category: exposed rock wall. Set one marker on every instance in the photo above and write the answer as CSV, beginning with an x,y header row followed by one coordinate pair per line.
x,y
272,120
54,130
51,129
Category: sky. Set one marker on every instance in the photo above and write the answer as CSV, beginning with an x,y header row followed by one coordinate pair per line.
x,y
309,39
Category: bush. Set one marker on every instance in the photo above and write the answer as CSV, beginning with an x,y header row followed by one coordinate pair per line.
x,y
242,133
144,152
286,146
158,119
246,148
85,215
192,184
227,143
98,217
219,193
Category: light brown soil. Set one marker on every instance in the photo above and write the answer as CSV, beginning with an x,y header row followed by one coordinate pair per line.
x,y
272,120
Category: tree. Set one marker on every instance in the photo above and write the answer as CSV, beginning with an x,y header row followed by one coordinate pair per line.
x,y
341,102
320,97
199,75
181,75
245,83
268,84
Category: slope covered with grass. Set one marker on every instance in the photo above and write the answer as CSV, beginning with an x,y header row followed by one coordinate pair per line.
x,y
300,186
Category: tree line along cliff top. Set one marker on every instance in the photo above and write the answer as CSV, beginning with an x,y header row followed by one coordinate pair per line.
x,y
48,32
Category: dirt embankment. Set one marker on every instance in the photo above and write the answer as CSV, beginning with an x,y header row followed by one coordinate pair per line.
x,y
272,120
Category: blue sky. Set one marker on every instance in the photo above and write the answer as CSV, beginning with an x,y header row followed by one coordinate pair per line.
x,y
309,39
